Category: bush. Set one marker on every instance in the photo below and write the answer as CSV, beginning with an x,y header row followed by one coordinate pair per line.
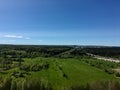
x,y
25,67
19,74
6,84
109,71
117,74
34,67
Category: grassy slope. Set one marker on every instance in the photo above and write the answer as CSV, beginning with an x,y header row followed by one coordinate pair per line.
x,y
76,71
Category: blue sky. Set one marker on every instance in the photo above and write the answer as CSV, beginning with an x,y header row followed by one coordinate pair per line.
x,y
60,22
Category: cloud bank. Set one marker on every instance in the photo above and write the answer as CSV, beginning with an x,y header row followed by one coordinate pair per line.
x,y
13,36
16,37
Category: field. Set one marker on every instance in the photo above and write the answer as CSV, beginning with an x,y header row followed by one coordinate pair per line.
x,y
69,69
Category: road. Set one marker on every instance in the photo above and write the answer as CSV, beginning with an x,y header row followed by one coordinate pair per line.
x,y
104,58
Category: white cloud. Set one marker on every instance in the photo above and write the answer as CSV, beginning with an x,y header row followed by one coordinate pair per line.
x,y
16,36
13,36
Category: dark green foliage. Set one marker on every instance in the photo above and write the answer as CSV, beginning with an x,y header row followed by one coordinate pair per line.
x,y
113,52
109,71
6,84
34,67
25,67
65,76
19,74
117,74
25,51
78,52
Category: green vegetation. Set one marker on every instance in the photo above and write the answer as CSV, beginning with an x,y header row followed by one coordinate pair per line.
x,y
55,68
113,52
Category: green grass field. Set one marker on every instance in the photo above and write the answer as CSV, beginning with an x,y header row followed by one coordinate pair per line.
x,y
63,73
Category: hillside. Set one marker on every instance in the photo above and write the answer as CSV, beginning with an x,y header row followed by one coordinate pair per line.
x,y
54,68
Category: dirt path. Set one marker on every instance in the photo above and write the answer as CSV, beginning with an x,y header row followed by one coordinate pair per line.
x,y
104,58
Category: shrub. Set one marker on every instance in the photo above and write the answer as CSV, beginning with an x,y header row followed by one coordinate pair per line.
x,y
117,74
34,67
109,71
